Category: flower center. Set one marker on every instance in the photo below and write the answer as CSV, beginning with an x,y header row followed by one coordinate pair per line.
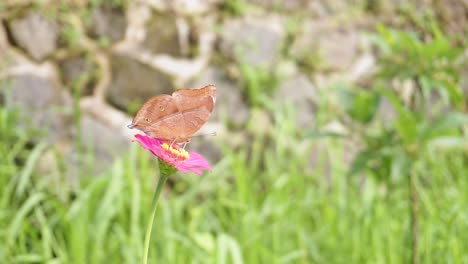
x,y
177,152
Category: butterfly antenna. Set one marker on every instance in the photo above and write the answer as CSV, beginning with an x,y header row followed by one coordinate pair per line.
x,y
200,135
207,134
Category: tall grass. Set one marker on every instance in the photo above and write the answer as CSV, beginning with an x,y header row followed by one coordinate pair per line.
x,y
262,204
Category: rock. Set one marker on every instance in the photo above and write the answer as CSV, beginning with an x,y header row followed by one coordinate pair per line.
x,y
36,34
290,5
48,164
134,83
336,55
385,111
137,16
464,87
108,22
178,70
103,141
317,8
253,40
108,115
363,68
333,49
104,135
236,140
320,160
79,69
464,76
162,35
207,141
183,7
335,127
302,94
41,103
230,104
339,6
3,38
9,57
260,122
391,8
5,56
453,16
208,147
312,8
193,7
352,150
203,32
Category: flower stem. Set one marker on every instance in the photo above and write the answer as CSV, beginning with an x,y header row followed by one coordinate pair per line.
x,y
149,228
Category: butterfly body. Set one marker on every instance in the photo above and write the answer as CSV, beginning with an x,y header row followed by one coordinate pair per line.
x,y
175,118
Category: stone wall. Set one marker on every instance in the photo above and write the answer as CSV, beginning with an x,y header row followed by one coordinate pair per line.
x,y
79,69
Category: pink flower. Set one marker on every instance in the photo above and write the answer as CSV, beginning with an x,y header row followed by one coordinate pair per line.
x,y
174,155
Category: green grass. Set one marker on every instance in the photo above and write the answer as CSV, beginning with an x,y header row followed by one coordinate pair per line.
x,y
262,204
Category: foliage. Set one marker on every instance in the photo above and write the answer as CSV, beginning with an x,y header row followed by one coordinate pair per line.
x,y
434,65
260,205
259,83
419,124
279,198
235,7
360,104
420,81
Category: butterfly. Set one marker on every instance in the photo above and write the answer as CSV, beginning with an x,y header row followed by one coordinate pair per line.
x,y
175,118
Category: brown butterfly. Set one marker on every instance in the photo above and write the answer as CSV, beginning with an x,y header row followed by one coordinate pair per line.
x,y
175,118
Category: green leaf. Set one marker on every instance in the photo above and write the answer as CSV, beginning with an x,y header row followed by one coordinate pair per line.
x,y
447,125
361,162
447,143
21,215
454,92
228,245
400,166
360,104
322,134
406,123
364,106
24,179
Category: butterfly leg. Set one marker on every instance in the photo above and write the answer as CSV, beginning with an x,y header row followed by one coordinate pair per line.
x,y
185,144
173,141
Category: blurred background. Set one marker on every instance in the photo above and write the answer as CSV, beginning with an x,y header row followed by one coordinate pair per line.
x,y
341,131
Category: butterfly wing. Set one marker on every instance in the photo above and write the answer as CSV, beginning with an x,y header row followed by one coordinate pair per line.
x,y
179,127
177,117
153,110
189,99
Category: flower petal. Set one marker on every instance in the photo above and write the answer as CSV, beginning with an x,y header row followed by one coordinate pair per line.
x,y
195,163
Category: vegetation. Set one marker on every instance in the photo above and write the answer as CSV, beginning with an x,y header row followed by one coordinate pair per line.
x,y
285,196
261,204
428,120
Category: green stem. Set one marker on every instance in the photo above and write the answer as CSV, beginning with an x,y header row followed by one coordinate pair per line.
x,y
149,228
414,207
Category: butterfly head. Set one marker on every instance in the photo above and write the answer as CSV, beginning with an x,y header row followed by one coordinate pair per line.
x,y
140,122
